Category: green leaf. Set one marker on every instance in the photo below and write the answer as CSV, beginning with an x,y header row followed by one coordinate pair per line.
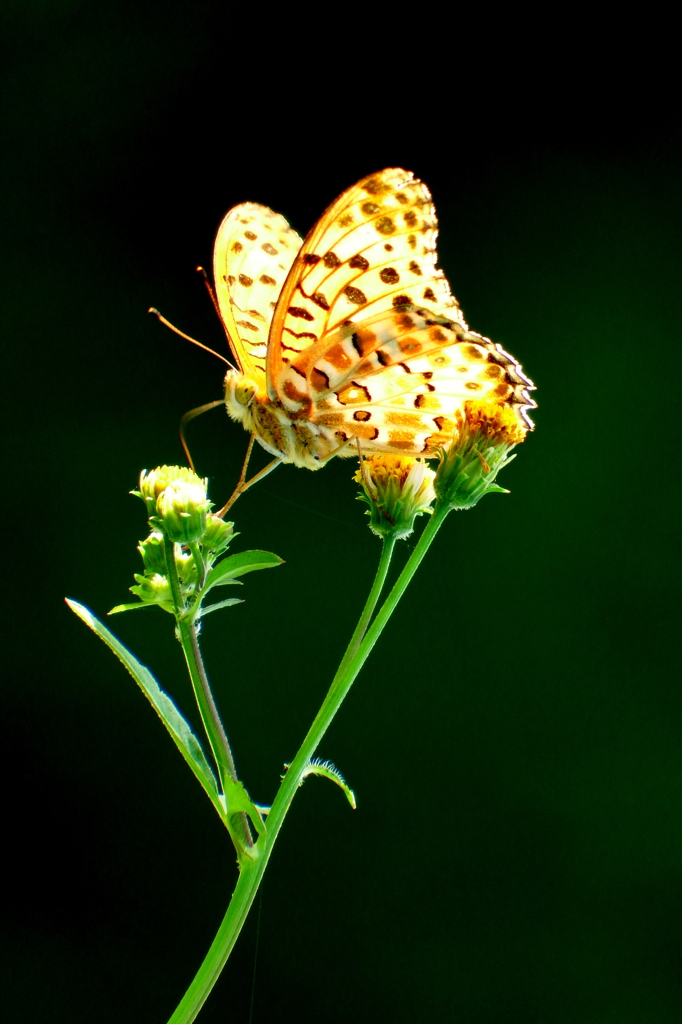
x,y
220,604
178,727
222,583
128,607
329,771
238,565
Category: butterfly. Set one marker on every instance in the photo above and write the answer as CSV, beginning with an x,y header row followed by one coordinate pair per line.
x,y
352,338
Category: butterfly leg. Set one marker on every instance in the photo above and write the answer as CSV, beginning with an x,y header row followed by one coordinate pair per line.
x,y
363,468
244,484
337,451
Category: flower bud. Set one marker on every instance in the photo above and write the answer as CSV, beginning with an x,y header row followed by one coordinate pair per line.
x,y
182,507
186,567
397,489
154,482
468,467
153,590
176,500
217,535
153,553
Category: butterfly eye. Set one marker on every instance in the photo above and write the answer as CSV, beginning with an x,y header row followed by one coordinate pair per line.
x,y
244,391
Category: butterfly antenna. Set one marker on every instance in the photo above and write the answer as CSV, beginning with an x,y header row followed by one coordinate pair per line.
x,y
175,330
209,289
192,414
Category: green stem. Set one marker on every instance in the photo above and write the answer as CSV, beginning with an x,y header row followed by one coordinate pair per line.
x,y
388,544
172,570
200,565
252,871
220,745
217,737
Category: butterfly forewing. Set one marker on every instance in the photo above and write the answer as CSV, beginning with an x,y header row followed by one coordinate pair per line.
x,y
372,250
254,250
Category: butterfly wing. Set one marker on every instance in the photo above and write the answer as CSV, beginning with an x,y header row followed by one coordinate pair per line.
x,y
399,381
367,339
254,251
372,250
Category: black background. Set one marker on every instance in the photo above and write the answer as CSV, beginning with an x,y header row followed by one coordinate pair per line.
x,y
514,741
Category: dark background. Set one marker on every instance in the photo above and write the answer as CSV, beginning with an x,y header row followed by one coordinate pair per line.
x,y
514,741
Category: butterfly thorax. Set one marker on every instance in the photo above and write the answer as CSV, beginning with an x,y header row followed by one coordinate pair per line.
x,y
299,442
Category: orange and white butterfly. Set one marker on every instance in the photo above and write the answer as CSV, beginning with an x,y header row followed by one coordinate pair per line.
x,y
352,333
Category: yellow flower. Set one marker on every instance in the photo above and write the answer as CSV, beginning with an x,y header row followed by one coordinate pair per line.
x,y
468,467
397,489
494,421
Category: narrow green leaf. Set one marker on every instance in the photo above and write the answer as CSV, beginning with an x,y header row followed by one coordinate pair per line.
x,y
220,604
179,729
129,607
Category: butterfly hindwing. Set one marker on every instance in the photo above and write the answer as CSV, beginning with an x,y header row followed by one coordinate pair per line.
x,y
397,379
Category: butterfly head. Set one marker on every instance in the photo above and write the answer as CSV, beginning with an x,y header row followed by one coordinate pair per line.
x,y
240,392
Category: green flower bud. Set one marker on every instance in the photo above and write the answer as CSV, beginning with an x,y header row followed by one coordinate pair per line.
x,y
153,553
217,535
487,433
154,589
397,489
176,502
187,499
186,567
154,483
182,508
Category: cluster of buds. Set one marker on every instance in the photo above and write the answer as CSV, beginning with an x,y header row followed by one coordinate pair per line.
x,y
398,488
179,513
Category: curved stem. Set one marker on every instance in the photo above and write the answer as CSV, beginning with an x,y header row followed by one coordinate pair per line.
x,y
252,871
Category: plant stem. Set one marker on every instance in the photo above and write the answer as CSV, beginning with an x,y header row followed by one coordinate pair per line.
x,y
200,564
252,870
388,544
220,745
217,737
